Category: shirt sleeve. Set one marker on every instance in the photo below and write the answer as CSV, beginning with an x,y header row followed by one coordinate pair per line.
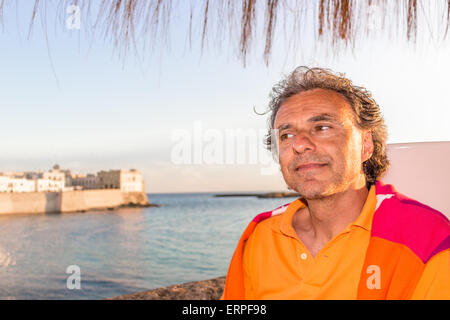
x,y
435,281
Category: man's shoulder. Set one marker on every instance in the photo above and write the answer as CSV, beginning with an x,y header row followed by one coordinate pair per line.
x,y
271,213
388,193
404,220
266,219
400,209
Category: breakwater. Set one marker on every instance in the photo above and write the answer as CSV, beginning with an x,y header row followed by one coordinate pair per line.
x,y
69,201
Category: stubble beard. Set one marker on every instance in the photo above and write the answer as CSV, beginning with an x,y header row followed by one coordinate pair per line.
x,y
311,187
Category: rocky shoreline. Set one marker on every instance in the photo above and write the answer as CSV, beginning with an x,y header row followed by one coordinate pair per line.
x,y
198,290
138,205
261,195
122,206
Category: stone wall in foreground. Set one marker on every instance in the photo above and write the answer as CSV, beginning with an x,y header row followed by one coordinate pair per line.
x,y
69,201
199,290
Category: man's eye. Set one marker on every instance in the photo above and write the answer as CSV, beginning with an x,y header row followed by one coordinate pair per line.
x,y
322,128
285,136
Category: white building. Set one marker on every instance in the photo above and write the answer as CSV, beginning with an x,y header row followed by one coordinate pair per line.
x,y
57,180
4,181
23,185
13,174
54,174
50,181
125,180
131,181
47,185
53,180
8,184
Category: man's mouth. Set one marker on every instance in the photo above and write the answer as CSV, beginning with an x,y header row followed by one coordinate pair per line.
x,y
309,166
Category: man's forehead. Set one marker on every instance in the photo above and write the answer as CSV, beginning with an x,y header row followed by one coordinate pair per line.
x,y
316,103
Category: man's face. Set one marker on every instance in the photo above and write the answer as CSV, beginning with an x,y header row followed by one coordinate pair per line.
x,y
321,150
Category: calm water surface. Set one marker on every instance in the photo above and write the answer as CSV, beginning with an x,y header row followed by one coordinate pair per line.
x,y
190,237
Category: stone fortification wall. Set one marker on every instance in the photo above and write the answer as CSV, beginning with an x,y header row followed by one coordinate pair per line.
x,y
90,199
70,201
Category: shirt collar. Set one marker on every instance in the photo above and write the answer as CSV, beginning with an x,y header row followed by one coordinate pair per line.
x,y
364,219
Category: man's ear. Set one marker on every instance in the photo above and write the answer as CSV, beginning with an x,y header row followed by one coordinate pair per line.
x,y
367,146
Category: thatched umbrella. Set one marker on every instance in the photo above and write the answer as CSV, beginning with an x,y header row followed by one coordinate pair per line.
x,y
334,21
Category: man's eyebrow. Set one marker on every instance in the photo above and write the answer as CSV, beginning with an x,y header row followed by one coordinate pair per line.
x,y
284,126
316,118
322,117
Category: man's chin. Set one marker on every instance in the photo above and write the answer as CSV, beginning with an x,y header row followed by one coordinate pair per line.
x,y
313,190
313,195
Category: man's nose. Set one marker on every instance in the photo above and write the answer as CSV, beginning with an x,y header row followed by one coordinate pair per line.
x,y
302,143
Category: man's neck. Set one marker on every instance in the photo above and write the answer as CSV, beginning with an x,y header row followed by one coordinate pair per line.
x,y
324,218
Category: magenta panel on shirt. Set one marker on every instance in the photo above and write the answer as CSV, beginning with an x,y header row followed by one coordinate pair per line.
x,y
400,219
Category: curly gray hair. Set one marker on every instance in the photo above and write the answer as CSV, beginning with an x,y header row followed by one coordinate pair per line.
x,y
367,112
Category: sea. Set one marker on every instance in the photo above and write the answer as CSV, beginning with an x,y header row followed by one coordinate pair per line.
x,y
102,254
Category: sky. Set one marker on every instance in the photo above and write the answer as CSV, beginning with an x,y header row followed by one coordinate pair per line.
x,y
68,98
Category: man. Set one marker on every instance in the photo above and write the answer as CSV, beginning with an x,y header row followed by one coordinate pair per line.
x,y
349,236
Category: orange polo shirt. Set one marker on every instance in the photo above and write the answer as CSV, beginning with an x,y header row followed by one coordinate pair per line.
x,y
277,265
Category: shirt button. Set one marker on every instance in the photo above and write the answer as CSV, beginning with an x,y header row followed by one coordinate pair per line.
x,y
303,256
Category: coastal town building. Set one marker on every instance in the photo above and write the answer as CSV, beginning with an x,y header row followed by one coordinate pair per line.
x,y
12,184
48,185
85,181
4,184
55,174
108,179
13,174
57,180
125,180
131,181
53,180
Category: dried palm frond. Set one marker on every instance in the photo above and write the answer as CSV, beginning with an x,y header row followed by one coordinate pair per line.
x,y
336,21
